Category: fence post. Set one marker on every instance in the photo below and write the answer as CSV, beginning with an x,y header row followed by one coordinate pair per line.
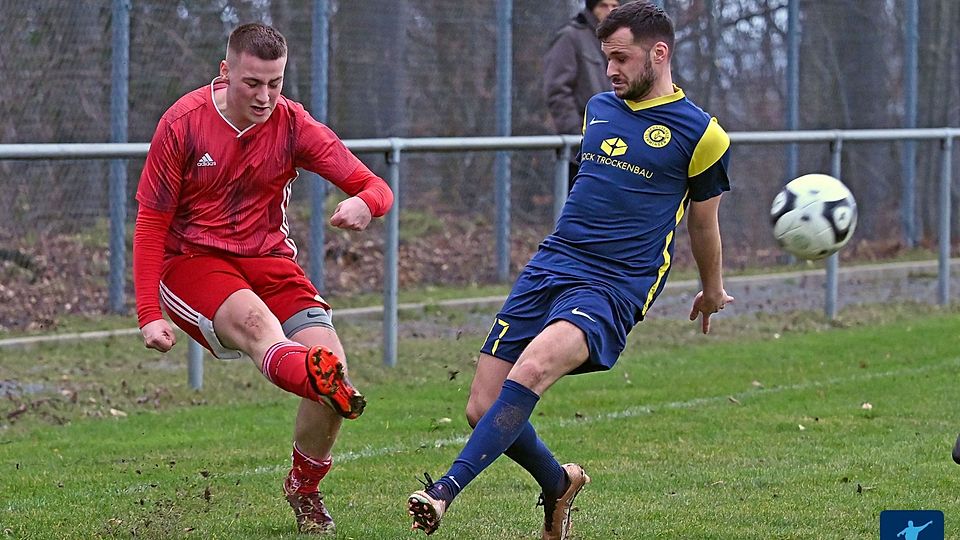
x,y
793,84
833,261
320,38
119,104
502,160
391,259
194,364
944,257
909,165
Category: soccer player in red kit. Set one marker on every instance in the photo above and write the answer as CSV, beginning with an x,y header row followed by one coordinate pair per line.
x,y
212,244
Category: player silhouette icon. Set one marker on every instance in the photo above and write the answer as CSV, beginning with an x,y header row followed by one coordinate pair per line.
x,y
910,532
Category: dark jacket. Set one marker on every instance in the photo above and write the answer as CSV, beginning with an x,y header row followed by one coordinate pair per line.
x,y
574,69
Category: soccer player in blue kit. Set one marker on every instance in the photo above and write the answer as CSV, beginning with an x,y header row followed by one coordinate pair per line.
x,y
648,157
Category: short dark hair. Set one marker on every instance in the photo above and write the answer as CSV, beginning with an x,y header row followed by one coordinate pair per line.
x,y
643,18
260,40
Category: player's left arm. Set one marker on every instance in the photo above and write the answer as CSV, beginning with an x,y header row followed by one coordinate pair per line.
x,y
704,227
370,197
318,149
707,181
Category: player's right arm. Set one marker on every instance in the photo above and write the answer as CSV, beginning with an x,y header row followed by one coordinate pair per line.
x,y
318,149
157,193
149,235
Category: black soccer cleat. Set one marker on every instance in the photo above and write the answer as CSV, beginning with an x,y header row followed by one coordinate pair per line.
x,y
956,451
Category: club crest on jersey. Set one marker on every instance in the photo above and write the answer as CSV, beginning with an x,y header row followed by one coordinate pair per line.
x,y
614,146
657,136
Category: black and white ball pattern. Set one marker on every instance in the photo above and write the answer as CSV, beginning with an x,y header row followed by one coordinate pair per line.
x,y
813,216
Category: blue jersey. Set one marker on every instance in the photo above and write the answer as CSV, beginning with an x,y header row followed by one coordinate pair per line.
x,y
641,163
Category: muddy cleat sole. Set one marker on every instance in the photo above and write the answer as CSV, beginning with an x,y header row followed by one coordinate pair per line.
x,y
557,524
425,511
312,515
327,376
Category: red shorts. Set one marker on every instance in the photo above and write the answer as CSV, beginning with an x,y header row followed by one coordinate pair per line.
x,y
193,287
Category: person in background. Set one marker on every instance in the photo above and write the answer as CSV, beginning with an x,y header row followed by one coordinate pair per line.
x,y
574,69
212,244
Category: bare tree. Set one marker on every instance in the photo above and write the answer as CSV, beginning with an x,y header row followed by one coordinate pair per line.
x,y
939,100
844,84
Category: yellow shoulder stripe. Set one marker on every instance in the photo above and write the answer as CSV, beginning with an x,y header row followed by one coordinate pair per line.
x,y
713,143
662,271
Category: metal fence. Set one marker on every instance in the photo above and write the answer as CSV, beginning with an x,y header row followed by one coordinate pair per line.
x,y
397,149
411,68
105,70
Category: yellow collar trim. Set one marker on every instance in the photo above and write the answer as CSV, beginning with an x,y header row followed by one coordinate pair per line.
x,y
646,104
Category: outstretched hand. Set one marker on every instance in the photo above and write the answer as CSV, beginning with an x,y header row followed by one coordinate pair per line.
x,y
708,305
352,213
158,335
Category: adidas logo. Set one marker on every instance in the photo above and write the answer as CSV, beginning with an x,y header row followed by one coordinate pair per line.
x,y
206,161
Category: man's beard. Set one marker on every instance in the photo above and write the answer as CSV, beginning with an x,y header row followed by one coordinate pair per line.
x,y
639,88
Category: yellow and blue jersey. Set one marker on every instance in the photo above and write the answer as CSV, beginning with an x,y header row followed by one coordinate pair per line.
x,y
641,163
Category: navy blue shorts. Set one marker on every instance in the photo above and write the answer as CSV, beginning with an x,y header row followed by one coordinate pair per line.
x,y
539,298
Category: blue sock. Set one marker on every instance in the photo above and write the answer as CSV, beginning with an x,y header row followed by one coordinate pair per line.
x,y
497,430
530,453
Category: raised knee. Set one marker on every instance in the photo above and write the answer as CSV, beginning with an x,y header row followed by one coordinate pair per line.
x,y
255,323
474,413
530,374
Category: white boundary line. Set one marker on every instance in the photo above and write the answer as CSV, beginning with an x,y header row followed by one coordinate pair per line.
x,y
631,412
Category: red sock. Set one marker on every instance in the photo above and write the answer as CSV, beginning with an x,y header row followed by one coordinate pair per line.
x,y
307,472
285,366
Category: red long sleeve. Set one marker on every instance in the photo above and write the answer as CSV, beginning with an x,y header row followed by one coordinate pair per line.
x,y
149,236
371,188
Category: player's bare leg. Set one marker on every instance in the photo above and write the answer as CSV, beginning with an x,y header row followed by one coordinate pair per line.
x,y
504,417
315,432
425,510
489,377
318,424
559,349
244,322
533,367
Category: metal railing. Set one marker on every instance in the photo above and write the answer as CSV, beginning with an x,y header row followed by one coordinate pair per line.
x,y
394,148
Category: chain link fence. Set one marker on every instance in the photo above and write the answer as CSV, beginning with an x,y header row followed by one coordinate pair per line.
x,y
428,68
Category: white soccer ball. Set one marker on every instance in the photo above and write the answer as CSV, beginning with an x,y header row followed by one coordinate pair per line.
x,y
813,216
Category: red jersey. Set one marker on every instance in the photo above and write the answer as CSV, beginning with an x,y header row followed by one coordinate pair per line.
x,y
229,189
208,187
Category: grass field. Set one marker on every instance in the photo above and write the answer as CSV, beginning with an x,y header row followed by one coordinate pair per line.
x,y
758,431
